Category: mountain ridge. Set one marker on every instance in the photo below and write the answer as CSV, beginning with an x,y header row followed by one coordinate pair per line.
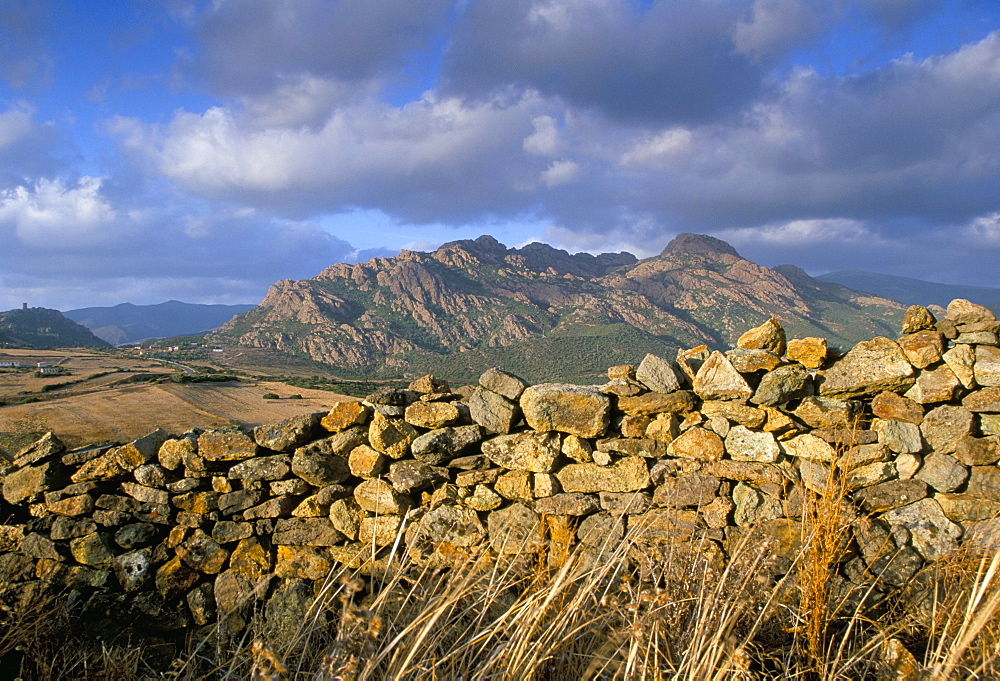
x,y
912,291
40,328
473,301
127,323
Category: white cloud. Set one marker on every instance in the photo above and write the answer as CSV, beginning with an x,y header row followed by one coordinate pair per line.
x,y
545,140
776,26
53,216
560,172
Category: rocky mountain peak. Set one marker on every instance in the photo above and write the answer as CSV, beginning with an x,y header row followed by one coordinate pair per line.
x,y
700,244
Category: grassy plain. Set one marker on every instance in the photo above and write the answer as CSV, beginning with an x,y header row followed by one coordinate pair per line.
x,y
116,397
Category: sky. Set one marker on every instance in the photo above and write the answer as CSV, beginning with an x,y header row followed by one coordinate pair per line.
x,y
202,150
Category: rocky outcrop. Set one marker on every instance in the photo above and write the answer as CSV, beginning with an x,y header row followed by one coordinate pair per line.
x,y
473,296
699,454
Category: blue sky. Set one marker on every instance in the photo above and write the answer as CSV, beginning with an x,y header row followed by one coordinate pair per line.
x,y
203,150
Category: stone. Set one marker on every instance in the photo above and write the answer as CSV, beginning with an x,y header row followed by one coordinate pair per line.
x,y
867,369
381,530
962,311
441,445
140,451
94,549
750,361
378,496
942,472
303,562
430,385
625,503
288,434
751,506
262,468
151,475
306,532
808,446
697,443
983,400
664,428
80,504
453,525
577,448
250,559
899,436
768,336
232,591
390,436
23,485
228,531
345,516
923,348
344,415
862,455
274,507
663,525
809,352
578,410
133,569
201,603
432,414
410,476
978,451
571,503
172,452
516,529
62,529
816,476
46,448
648,404
502,383
535,452
695,489
624,371
918,318
366,462
495,413
690,360
622,387
645,447
147,495
748,471
202,553
989,424
480,477
890,495
717,379
987,366
743,414
658,374
240,500
544,485
935,385
135,535
625,475
174,578
889,405
230,444
961,360
105,467
483,498
870,474
783,384
931,533
601,531
962,508
829,412
984,482
515,485
325,462
392,397
944,427
743,444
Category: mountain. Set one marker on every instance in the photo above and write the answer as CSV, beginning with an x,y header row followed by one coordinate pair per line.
x,y
542,312
914,291
127,323
43,329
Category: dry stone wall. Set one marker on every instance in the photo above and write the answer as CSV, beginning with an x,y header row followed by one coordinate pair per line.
x,y
693,456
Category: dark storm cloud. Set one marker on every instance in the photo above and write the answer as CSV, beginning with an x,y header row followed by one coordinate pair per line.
x,y
248,46
666,61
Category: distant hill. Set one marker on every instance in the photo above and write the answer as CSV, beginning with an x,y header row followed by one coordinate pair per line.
x,y
914,291
44,329
542,312
128,323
